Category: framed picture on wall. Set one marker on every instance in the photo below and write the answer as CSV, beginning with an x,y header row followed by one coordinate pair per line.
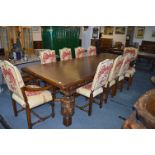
x,y
108,30
153,33
120,30
140,32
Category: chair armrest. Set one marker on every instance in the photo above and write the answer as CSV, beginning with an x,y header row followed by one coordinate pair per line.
x,y
28,88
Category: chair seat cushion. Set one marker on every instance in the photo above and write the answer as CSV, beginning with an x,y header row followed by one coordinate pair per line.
x,y
130,72
111,83
34,98
86,90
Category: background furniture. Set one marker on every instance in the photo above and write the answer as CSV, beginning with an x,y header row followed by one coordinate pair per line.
x,y
147,46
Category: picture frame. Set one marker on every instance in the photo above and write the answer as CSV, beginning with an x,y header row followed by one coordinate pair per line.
x,y
120,30
108,30
140,32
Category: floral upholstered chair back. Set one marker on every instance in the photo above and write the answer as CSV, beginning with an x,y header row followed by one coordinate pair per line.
x,y
91,51
13,78
131,50
126,64
47,56
65,54
79,52
102,73
116,68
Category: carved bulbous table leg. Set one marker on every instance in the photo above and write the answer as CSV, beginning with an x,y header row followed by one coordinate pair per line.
x,y
67,110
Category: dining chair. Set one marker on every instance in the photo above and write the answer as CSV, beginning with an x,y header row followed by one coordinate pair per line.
x,y
65,54
124,70
96,87
130,72
91,51
131,50
28,96
79,52
113,77
47,56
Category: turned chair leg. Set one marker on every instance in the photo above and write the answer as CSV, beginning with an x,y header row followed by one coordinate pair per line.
x,y
90,105
114,90
28,114
106,92
53,109
101,100
129,82
14,107
121,85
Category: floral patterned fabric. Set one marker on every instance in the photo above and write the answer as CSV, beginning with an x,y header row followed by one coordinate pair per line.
x,y
65,54
132,51
47,56
13,78
79,52
91,51
102,74
15,83
126,64
116,68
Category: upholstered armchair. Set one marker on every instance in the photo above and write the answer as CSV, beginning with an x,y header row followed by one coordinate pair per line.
x,y
28,96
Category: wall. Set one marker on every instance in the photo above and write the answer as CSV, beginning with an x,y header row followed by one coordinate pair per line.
x,y
147,35
86,37
115,37
36,32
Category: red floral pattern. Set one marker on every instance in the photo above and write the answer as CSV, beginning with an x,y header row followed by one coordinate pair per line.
x,y
88,86
79,52
102,73
92,51
132,52
66,55
32,93
48,57
8,75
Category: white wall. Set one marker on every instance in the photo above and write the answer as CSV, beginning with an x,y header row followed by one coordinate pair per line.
x,y
36,32
115,37
147,35
86,37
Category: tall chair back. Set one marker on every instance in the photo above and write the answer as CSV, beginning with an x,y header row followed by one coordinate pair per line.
x,y
131,50
116,68
47,56
13,78
65,54
91,51
125,65
102,73
79,52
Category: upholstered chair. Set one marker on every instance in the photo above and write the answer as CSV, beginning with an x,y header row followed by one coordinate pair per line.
x,y
113,77
29,97
79,52
65,54
96,87
131,50
47,56
91,51
124,70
